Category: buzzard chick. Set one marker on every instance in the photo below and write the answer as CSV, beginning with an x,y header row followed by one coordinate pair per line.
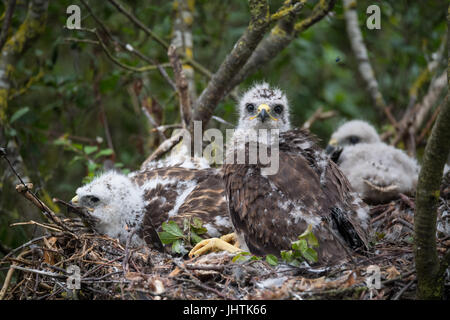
x,y
377,171
145,199
270,211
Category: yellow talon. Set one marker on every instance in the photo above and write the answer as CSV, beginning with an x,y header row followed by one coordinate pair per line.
x,y
215,244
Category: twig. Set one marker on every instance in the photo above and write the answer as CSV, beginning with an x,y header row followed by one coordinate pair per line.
x,y
406,287
163,148
199,283
182,87
218,119
7,22
360,51
165,127
23,246
43,273
128,47
318,115
286,9
234,61
137,22
9,276
35,223
25,191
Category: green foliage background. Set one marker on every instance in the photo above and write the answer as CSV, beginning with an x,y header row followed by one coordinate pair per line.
x,y
318,69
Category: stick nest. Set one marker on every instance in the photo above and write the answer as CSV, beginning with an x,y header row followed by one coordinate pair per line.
x,y
109,270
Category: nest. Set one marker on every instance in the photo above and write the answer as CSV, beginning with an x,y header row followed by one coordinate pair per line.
x,y
106,269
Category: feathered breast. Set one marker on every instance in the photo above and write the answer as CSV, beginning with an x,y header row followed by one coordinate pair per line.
x,y
270,211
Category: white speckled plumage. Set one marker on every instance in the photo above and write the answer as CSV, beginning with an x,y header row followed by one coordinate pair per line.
x,y
120,204
377,171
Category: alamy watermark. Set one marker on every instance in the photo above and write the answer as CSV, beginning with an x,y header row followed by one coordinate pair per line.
x,y
261,146
74,279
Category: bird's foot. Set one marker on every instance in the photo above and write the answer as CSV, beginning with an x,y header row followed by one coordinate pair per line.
x,y
215,244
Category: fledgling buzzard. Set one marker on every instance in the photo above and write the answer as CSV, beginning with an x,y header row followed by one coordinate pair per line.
x,y
145,199
377,171
270,211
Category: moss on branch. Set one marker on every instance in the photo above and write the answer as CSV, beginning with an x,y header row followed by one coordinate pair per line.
x,y
15,46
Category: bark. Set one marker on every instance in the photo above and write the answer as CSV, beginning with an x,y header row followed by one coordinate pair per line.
x,y
33,25
234,61
429,270
279,38
360,51
182,39
14,48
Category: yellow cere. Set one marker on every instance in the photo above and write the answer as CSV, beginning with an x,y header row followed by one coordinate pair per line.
x,y
265,107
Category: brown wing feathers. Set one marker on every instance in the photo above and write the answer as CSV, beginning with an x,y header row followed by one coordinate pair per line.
x,y
271,211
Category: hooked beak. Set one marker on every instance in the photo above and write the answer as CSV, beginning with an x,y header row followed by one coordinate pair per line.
x,y
74,201
263,113
331,147
333,150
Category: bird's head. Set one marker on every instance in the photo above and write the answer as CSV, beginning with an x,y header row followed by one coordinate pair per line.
x,y
113,199
351,133
264,107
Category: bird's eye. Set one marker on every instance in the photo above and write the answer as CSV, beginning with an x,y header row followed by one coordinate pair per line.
x,y
353,139
94,199
278,109
250,107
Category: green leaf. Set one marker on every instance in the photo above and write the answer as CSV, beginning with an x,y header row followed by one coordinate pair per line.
x,y
92,166
309,236
172,228
287,255
300,245
241,257
19,113
310,254
104,152
271,259
178,247
195,238
166,237
90,149
312,240
75,159
197,222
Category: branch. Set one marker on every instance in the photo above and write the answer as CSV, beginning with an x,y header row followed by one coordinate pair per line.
x,y
7,22
15,46
360,51
429,100
138,23
429,281
234,61
182,87
279,38
319,114
414,117
125,46
182,39
25,190
164,44
163,148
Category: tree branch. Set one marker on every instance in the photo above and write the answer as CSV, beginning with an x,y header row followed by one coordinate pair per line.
x,y
360,51
279,38
182,39
15,46
429,279
7,22
234,61
182,87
